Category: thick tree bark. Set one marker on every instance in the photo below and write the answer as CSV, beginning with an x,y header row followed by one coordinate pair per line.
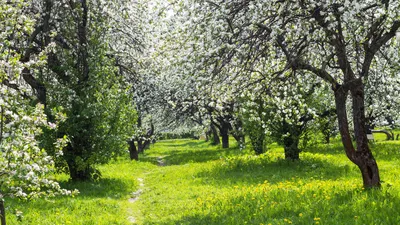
x,y
362,156
2,213
224,131
133,152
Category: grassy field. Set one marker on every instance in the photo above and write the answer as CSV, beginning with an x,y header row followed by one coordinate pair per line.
x,y
192,182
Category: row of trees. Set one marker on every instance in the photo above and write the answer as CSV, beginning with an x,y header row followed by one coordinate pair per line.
x,y
277,67
101,77
69,83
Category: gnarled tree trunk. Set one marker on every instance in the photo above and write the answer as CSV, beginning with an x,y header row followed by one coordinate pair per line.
x,y
362,155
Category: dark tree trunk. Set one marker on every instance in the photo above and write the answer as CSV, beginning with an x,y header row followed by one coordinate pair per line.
x,y
327,138
133,152
143,144
2,213
362,156
225,135
291,147
291,142
146,144
215,135
208,133
225,140
149,135
240,138
78,171
140,146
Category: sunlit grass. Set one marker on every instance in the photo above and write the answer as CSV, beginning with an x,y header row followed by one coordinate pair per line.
x,y
101,202
237,187
205,184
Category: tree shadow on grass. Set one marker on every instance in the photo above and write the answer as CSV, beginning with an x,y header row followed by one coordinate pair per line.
x,y
255,170
335,148
186,143
92,194
103,188
180,157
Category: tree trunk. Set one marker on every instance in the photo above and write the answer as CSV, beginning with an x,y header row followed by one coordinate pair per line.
x,y
327,138
240,139
146,144
215,135
77,173
77,170
224,131
2,213
149,135
291,147
362,156
140,146
208,134
225,140
133,153
257,141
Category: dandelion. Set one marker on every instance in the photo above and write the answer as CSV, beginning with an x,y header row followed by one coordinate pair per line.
x,y
300,214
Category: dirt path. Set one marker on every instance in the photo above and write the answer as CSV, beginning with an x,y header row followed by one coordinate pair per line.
x,y
160,161
135,197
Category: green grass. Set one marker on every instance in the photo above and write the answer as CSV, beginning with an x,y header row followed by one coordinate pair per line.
x,y
204,184
101,202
